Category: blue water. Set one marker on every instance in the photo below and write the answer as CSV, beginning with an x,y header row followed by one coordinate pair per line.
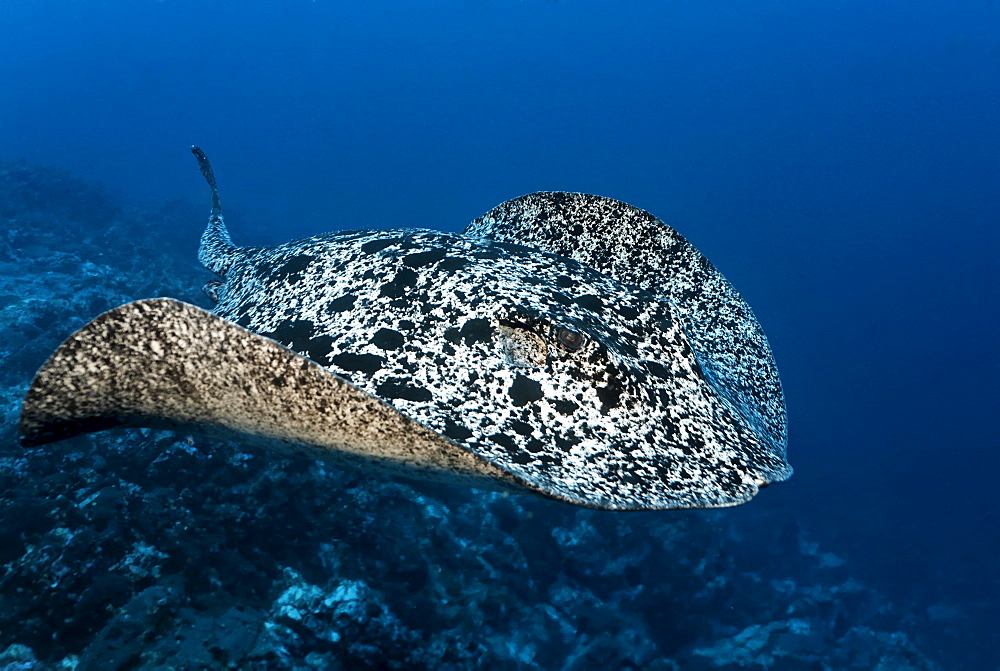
x,y
839,161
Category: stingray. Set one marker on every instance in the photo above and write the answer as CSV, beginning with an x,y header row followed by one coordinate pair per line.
x,y
564,344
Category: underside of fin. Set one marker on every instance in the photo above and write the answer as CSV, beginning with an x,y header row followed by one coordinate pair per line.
x,y
161,363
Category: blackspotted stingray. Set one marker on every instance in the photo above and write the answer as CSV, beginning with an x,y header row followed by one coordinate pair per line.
x,y
564,344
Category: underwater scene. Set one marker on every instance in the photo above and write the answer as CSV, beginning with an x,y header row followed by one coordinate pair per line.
x,y
499,334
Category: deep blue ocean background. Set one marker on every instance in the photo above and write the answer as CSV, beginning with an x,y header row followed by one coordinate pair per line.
x,y
839,161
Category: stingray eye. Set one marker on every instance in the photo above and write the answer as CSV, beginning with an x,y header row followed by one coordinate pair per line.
x,y
568,338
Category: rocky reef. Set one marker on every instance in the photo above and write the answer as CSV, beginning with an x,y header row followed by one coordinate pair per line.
x,y
142,549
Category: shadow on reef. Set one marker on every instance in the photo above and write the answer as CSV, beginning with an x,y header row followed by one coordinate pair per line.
x,y
146,550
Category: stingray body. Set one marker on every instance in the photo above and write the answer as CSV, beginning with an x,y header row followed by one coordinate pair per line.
x,y
565,344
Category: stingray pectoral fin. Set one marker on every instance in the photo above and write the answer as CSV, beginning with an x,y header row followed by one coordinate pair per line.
x,y
162,363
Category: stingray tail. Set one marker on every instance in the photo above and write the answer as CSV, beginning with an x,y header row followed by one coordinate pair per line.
x,y
217,247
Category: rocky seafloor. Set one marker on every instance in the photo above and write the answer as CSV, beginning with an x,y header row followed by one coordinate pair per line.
x,y
153,550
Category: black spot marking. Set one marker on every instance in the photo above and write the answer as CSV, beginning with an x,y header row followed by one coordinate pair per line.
x,y
566,442
565,407
319,348
628,312
296,334
535,446
294,268
342,304
378,245
590,302
456,431
396,288
396,389
421,259
452,263
293,333
387,339
524,390
560,297
476,330
523,428
363,363
565,282
658,369
610,395
503,439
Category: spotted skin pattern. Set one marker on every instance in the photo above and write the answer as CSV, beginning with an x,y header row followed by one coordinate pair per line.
x,y
587,383
637,248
